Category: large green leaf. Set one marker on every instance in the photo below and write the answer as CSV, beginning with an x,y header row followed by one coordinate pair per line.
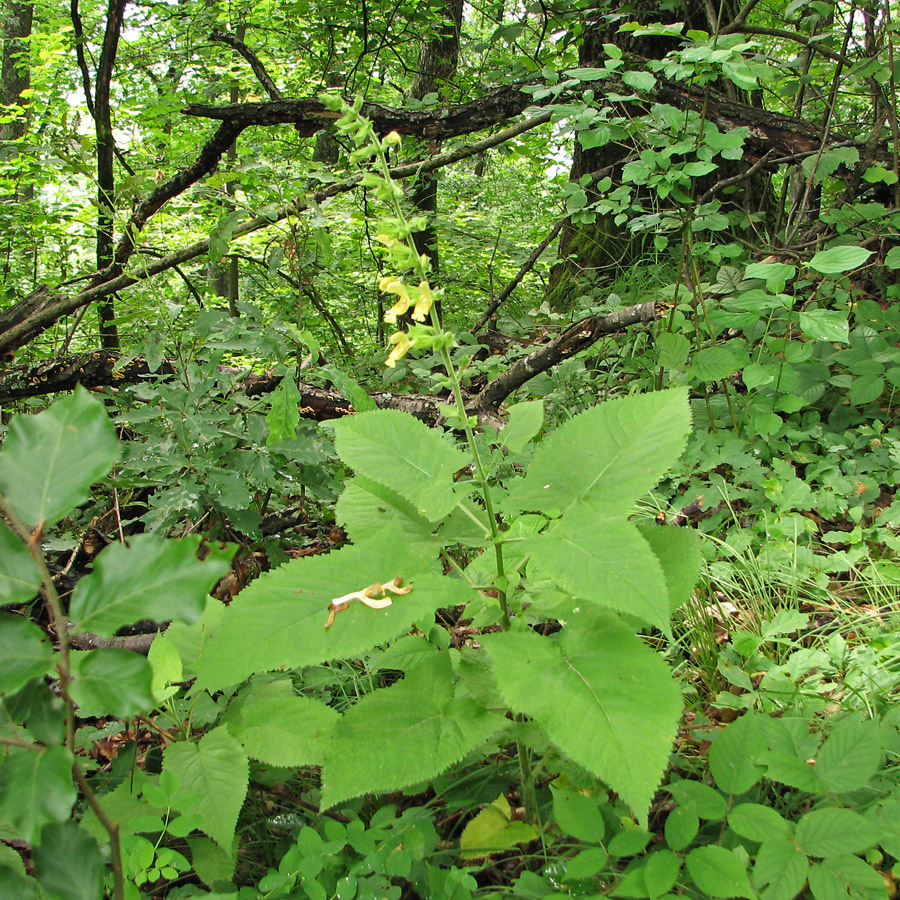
x,y
781,868
825,325
678,552
366,507
36,788
401,452
610,454
404,734
24,652
19,575
68,864
601,695
154,578
836,260
719,872
524,421
280,728
279,621
605,560
216,772
284,412
15,885
50,460
112,681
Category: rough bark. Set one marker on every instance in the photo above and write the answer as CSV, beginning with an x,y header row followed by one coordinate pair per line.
x,y
99,105
16,72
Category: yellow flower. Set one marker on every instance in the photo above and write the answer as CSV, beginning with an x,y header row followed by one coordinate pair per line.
x,y
402,345
425,302
391,139
391,285
386,239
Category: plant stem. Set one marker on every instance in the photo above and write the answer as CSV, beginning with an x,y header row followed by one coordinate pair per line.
x,y
112,829
61,627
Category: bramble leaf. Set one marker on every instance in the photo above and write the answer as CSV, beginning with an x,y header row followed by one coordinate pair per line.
x,y
112,681
68,863
280,728
36,788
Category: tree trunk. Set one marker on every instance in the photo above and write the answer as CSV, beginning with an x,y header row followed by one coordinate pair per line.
x,y
438,58
589,251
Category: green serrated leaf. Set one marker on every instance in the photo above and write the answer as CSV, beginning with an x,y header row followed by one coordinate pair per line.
x,y
36,788
111,681
350,388
733,754
524,421
836,260
678,552
68,864
404,454
780,870
403,734
25,652
282,730
843,876
825,325
167,667
610,454
214,774
366,507
833,830
284,411
19,575
154,579
211,863
757,822
713,364
50,460
672,350
14,884
718,872
605,560
279,620
601,695
850,756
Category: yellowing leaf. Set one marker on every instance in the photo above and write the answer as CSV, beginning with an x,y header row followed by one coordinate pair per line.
x,y
492,831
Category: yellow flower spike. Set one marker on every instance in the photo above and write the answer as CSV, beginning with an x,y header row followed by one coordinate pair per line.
x,y
425,302
402,345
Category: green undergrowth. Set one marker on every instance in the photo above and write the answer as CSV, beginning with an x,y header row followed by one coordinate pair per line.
x,y
640,642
